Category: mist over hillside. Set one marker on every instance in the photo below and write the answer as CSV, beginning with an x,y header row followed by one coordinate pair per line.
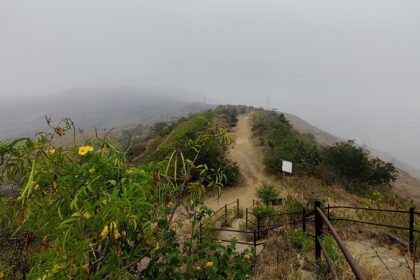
x,y
102,108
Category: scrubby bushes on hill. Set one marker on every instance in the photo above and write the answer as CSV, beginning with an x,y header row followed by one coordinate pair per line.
x,y
202,138
353,165
284,143
344,162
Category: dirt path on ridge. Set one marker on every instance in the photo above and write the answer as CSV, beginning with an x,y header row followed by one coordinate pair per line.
x,y
250,161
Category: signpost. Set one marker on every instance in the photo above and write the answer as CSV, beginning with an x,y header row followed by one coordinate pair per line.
x,y
287,167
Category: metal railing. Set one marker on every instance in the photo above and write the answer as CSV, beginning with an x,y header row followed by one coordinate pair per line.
x,y
225,213
320,219
410,227
261,229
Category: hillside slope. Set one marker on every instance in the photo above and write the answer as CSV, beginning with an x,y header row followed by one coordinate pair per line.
x,y
93,107
408,182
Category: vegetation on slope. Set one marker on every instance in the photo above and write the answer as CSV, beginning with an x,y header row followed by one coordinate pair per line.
x,y
344,163
86,213
202,137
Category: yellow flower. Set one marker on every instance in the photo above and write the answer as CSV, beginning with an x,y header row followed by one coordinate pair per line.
x,y
58,267
83,150
52,151
85,214
1,274
209,264
105,231
198,267
114,228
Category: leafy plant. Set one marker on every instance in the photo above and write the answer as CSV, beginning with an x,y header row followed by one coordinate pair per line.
x,y
84,212
300,240
267,193
263,210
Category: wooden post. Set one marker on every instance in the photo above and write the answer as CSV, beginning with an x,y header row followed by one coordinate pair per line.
x,y
318,231
304,219
411,232
225,214
237,206
328,213
246,218
258,226
255,239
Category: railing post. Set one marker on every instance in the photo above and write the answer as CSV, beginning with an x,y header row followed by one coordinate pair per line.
x,y
328,213
237,207
304,219
258,226
225,214
318,231
246,218
411,232
255,239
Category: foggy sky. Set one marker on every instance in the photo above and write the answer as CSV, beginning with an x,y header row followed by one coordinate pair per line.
x,y
349,67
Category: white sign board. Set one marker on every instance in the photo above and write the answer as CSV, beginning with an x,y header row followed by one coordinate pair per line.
x,y
287,167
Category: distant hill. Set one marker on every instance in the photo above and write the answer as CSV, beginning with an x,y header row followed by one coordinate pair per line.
x,y
102,108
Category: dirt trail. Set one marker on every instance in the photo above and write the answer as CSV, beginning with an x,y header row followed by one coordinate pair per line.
x,y
250,161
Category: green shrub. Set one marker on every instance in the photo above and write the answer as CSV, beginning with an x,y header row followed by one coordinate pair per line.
x,y
231,171
267,193
301,241
292,205
263,211
352,165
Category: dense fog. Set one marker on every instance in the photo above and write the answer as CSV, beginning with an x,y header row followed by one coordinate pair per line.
x,y
351,68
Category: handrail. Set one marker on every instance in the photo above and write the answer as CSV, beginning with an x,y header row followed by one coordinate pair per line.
x,y
274,215
350,260
222,208
372,223
411,226
368,209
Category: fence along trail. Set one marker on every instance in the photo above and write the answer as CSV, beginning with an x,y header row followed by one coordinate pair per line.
x,y
250,162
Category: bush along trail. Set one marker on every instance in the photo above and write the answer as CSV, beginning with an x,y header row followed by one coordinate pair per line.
x,y
85,212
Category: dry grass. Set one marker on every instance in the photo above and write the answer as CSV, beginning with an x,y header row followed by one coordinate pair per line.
x,y
279,260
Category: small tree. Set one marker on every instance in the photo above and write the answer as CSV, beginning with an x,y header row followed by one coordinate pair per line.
x,y
267,193
353,165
